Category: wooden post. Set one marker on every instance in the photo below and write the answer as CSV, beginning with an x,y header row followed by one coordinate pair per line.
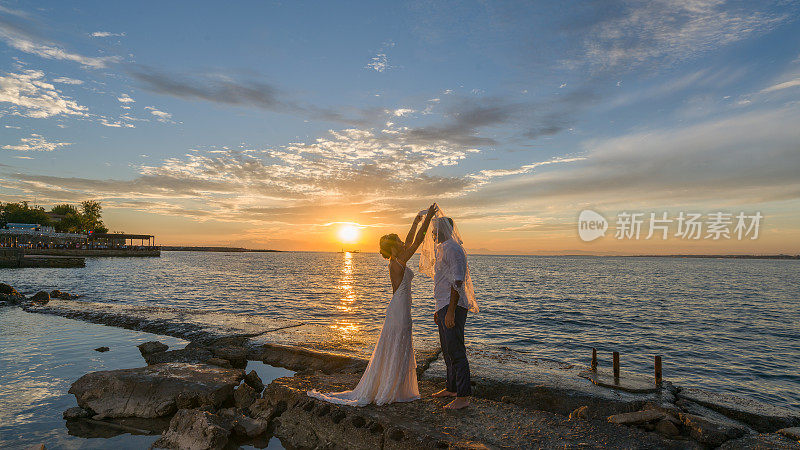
x,y
616,364
657,366
594,360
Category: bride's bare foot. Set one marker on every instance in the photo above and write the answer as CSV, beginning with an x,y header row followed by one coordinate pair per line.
x,y
458,403
443,393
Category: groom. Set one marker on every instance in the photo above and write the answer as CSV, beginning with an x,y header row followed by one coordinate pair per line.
x,y
451,312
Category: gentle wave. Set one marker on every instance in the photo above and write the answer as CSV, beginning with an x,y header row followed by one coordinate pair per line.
x,y
723,324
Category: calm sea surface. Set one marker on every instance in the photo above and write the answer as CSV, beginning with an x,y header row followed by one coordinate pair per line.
x,y
722,324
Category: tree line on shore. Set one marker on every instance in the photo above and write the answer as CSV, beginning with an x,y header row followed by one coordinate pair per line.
x,y
65,218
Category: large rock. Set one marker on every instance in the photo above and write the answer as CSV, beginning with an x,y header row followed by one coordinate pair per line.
x,y
637,417
40,298
709,431
236,355
760,416
192,429
6,289
254,381
244,396
154,391
151,347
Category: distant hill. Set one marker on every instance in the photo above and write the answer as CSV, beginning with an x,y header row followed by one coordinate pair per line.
x,y
181,248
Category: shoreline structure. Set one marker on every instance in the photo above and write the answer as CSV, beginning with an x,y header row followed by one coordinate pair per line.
x,y
519,401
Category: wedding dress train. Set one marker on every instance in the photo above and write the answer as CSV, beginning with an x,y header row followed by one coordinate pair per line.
x,y
391,375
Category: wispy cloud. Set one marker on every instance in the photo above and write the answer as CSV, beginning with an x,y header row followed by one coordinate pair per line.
x,y
32,96
106,34
781,86
66,80
161,116
36,143
639,31
25,40
125,98
378,63
223,89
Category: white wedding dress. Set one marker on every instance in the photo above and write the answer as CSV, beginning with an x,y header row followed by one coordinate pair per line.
x,y
391,375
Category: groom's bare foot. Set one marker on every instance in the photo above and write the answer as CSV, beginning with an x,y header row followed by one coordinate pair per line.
x,y
458,403
443,393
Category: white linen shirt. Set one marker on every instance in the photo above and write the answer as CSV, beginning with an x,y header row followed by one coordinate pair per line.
x,y
451,266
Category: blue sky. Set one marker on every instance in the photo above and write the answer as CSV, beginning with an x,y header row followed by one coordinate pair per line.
x,y
265,124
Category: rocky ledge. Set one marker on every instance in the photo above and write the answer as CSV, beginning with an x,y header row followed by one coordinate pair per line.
x,y
519,400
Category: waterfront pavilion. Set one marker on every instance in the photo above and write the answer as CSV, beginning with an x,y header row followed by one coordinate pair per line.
x,y
121,239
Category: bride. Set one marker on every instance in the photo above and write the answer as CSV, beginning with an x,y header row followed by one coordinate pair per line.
x,y
391,375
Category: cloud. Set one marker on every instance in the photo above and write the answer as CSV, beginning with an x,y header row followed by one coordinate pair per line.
x,y
781,86
26,40
639,31
106,34
125,98
749,157
36,143
379,63
161,116
66,80
223,89
33,97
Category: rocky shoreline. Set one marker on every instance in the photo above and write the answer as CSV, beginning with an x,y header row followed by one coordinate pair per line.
x,y
200,396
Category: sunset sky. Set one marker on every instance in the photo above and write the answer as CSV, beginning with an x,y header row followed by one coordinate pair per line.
x,y
275,124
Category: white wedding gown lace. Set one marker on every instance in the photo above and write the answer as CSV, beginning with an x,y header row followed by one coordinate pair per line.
x,y
391,375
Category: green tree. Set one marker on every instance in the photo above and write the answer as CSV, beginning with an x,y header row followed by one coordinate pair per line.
x,y
92,212
22,213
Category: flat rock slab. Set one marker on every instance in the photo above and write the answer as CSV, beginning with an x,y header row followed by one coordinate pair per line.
x,y
764,441
309,423
628,383
637,417
541,383
156,390
791,433
328,348
187,324
760,416
334,340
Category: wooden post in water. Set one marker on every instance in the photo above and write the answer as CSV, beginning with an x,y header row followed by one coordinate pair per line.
x,y
657,366
594,360
616,365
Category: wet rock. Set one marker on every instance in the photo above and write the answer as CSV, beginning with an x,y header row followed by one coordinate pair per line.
x,y
191,355
759,416
40,298
764,441
791,433
151,347
76,412
194,429
424,424
709,431
254,381
247,427
667,428
102,349
153,391
236,355
219,362
665,407
637,417
6,289
261,408
580,413
244,396
55,293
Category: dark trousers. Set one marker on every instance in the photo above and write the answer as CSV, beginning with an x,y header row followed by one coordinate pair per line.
x,y
454,352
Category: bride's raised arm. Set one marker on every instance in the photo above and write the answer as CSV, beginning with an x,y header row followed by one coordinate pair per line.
x,y
411,248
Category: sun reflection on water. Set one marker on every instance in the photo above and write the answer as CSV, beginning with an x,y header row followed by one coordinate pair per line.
x,y
345,327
